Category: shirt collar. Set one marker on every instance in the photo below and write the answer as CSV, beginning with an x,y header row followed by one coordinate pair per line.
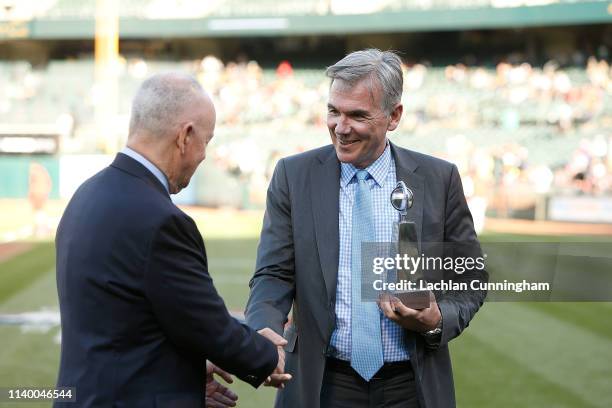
x,y
378,170
150,166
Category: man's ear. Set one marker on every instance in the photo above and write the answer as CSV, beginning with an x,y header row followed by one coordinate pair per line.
x,y
184,135
396,115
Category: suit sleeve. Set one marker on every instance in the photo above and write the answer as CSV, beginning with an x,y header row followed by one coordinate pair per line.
x,y
459,307
273,284
190,311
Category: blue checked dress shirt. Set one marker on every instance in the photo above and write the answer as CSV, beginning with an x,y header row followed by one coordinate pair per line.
x,y
381,182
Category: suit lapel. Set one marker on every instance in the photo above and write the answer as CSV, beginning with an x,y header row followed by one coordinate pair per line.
x,y
325,196
405,167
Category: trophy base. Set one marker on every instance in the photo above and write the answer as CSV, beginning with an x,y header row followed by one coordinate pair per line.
x,y
414,299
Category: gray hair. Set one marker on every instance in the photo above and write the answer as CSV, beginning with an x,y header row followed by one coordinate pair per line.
x,y
384,66
160,100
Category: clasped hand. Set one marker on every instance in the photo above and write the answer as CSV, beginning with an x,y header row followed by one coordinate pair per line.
x,y
278,378
218,395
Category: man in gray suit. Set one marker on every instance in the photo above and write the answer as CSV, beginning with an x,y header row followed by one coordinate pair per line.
x,y
321,205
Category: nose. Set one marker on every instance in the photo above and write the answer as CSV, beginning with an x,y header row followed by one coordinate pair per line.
x,y
343,126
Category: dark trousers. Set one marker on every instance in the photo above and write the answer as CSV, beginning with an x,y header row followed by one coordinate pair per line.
x,y
393,386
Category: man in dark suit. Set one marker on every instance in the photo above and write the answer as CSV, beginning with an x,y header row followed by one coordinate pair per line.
x,y
140,315
321,205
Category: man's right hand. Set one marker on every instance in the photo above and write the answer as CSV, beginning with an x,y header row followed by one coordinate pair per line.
x,y
278,378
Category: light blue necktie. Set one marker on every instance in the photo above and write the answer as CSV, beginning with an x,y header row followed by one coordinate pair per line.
x,y
366,343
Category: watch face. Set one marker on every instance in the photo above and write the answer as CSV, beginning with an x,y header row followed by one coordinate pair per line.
x,y
433,332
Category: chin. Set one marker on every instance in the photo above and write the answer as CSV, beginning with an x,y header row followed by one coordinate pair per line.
x,y
347,158
183,185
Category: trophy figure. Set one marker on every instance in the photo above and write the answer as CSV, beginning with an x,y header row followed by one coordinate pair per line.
x,y
402,199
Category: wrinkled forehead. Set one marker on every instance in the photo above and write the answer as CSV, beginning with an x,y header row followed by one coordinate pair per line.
x,y
366,88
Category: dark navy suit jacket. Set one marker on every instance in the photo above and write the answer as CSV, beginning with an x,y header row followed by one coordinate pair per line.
x,y
140,314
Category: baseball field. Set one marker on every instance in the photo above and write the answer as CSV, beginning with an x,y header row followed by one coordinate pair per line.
x,y
513,354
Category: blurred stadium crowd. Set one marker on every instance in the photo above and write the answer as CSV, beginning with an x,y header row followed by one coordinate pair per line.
x,y
531,130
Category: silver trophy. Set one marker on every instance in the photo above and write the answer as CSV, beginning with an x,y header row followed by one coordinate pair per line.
x,y
402,199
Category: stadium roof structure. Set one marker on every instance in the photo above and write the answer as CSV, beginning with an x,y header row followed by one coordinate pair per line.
x,y
74,19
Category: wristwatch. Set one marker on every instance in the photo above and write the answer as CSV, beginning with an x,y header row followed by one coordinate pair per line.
x,y
434,332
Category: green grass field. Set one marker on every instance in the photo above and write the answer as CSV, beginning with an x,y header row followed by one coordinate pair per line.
x,y
512,355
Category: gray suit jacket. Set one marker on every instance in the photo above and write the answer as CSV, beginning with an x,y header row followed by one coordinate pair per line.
x,y
297,265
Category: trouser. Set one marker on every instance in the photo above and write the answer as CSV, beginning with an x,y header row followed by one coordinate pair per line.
x,y
393,386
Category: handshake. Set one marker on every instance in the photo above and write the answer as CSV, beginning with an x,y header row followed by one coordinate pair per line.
x,y
278,378
219,396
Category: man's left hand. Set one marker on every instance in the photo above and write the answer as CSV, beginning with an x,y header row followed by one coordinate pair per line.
x,y
412,319
218,395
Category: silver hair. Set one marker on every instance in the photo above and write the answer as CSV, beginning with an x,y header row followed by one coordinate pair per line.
x,y
384,66
160,100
